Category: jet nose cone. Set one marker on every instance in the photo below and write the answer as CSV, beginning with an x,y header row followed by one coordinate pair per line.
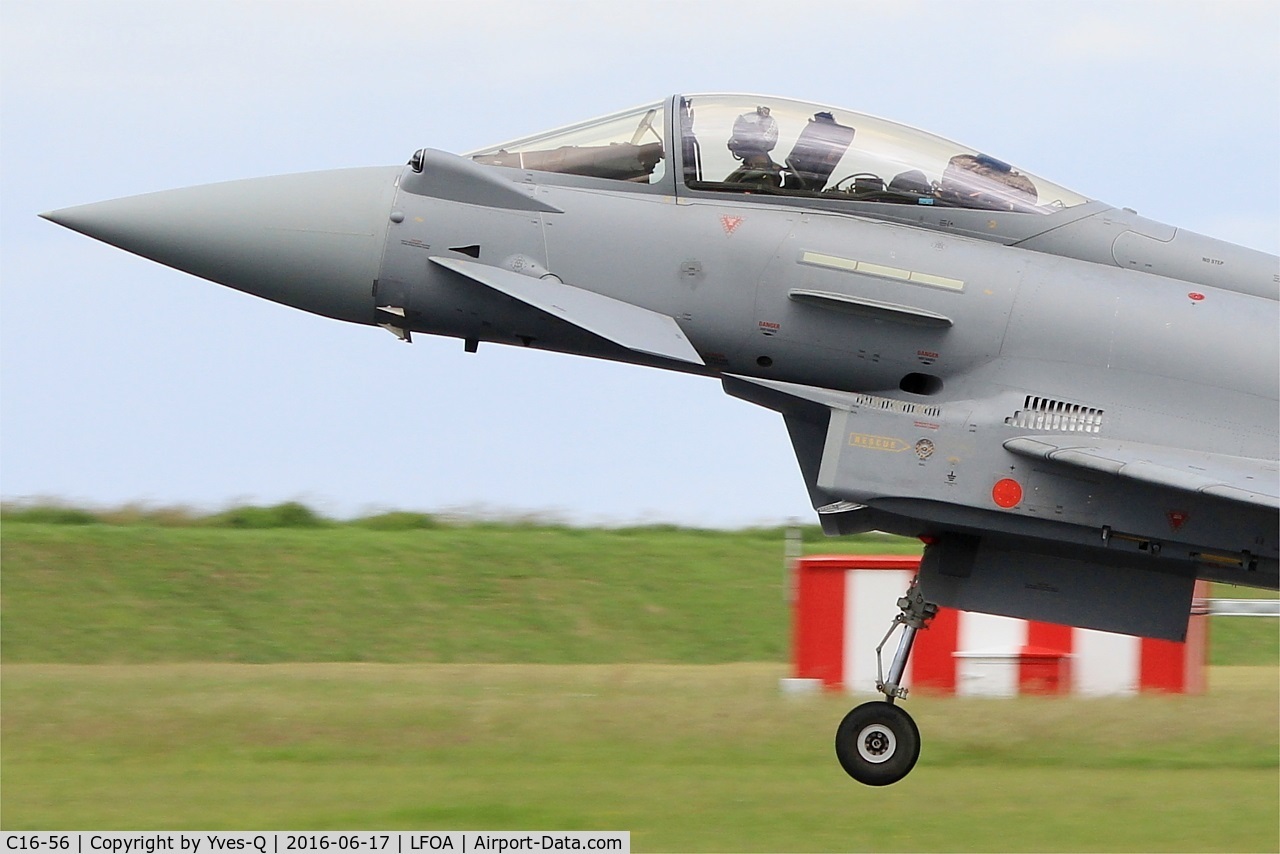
x,y
312,240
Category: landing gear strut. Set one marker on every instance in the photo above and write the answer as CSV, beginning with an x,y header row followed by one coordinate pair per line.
x,y
878,743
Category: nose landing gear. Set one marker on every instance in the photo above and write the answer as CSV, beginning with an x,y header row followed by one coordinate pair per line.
x,y
878,743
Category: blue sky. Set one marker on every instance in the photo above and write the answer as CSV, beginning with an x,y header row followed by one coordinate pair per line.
x,y
124,381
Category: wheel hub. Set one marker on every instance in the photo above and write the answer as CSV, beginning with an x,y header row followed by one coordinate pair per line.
x,y
877,744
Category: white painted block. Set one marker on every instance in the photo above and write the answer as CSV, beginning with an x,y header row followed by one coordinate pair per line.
x,y
1105,663
871,603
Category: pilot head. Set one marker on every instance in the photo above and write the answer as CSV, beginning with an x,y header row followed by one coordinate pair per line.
x,y
754,135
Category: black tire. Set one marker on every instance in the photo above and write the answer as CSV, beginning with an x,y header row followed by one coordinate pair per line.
x,y
877,743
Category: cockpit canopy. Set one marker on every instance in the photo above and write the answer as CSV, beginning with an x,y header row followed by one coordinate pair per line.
x,y
778,146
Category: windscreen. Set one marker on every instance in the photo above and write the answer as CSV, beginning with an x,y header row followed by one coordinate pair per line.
x,y
624,146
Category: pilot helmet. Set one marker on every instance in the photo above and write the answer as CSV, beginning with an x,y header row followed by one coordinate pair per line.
x,y
754,134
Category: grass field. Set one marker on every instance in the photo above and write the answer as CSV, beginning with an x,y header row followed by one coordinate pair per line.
x,y
241,673
688,758
142,593
457,593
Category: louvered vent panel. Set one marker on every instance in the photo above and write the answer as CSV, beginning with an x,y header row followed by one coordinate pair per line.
x,y
899,406
1043,413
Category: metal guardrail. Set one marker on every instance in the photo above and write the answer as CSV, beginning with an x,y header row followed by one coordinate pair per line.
x,y
1237,607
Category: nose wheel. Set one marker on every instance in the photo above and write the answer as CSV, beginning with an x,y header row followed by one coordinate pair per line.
x,y
878,743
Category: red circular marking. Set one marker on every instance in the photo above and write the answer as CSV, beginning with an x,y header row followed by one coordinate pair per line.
x,y
1007,493
1196,295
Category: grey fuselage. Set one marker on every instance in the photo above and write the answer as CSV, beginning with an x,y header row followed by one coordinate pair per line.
x,y
1190,361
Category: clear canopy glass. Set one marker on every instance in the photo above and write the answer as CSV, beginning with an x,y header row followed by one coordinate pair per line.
x,y
752,142
626,146
779,146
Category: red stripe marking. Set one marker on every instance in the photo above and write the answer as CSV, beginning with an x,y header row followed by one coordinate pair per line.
x,y
1177,668
933,663
1043,671
859,562
818,624
1162,666
1050,636
1045,667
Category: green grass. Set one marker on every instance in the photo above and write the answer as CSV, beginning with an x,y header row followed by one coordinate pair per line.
x,y
156,675
688,758
97,593
402,587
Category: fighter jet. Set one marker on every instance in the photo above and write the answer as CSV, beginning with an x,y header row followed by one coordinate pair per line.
x,y
1074,407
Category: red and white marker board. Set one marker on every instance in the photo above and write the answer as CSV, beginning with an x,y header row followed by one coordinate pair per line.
x,y
844,604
